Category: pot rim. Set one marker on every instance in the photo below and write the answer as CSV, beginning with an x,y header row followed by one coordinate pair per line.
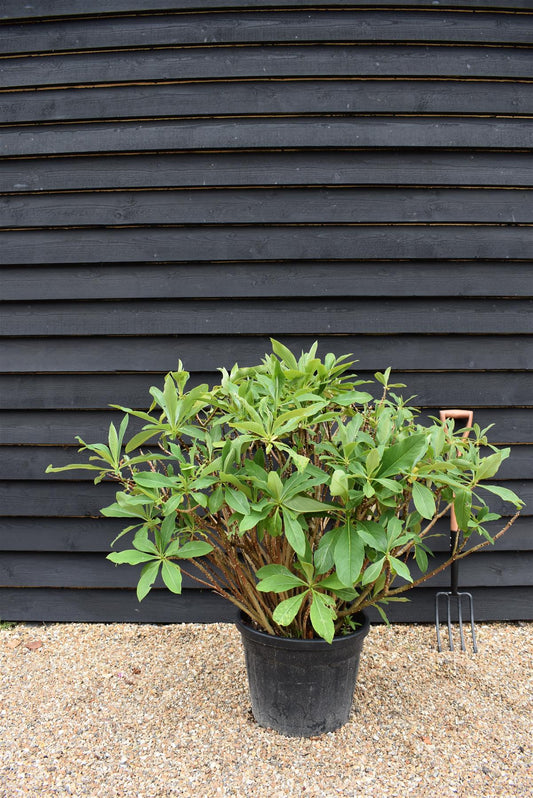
x,y
316,644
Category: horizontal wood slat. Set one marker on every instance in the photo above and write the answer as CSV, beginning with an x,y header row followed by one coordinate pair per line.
x,y
66,534
298,316
60,427
120,605
289,279
421,168
68,569
95,535
268,133
202,606
161,353
266,98
30,462
13,9
249,243
245,27
96,391
269,206
378,61
31,498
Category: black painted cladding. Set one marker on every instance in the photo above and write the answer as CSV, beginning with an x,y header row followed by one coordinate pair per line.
x,y
183,185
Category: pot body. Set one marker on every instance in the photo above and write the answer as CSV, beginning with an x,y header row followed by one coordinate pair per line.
x,y
302,688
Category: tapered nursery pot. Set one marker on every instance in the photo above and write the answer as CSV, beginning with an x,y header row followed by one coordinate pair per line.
x,y
302,688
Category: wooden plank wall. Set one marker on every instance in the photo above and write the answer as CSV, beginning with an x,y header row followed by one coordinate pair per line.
x,y
184,179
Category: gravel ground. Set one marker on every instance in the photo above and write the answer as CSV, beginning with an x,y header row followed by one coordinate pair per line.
x,y
155,711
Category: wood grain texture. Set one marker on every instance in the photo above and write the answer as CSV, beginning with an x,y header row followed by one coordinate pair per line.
x,y
260,279
30,462
201,606
286,316
13,9
251,243
70,569
97,391
60,427
267,98
268,133
161,353
25,498
113,606
367,168
265,26
95,535
276,61
269,206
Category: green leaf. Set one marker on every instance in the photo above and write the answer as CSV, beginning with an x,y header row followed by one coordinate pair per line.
x,y
286,611
289,420
116,511
237,501
352,398
421,559
284,354
171,399
147,579
373,534
403,456
250,521
113,443
334,584
490,465
349,555
504,493
307,568
142,542
216,499
304,504
194,548
324,554
74,467
172,504
373,571
400,568
279,583
141,437
462,504
272,570
372,461
130,557
153,479
171,574
424,500
339,484
275,485
294,533
322,616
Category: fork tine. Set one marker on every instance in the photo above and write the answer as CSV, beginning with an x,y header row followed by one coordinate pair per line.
x,y
472,626
460,619
449,608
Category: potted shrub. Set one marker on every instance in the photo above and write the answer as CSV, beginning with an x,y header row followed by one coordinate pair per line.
x,y
302,499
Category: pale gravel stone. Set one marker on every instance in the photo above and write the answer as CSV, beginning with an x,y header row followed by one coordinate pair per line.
x,y
128,711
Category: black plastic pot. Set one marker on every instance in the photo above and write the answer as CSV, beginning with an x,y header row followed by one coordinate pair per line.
x,y
302,688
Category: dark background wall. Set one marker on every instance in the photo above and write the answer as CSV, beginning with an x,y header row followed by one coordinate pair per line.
x,y
180,180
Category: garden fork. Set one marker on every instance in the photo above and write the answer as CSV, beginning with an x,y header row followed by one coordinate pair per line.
x,y
453,595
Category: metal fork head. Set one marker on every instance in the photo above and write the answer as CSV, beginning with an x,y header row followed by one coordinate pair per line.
x,y
455,596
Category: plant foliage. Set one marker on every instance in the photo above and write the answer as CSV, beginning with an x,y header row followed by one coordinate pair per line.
x,y
292,492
